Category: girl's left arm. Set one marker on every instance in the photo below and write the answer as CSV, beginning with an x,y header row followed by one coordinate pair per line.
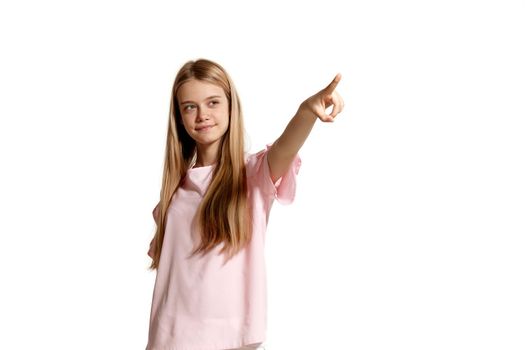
x,y
285,148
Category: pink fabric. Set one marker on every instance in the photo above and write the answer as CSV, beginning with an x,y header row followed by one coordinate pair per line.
x,y
199,303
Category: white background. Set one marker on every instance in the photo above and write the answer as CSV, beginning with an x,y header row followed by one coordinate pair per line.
x,y
408,227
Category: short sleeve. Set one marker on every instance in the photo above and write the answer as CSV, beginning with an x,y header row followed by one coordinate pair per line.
x,y
156,213
258,172
152,248
152,245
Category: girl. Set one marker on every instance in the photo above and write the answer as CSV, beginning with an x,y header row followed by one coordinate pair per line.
x,y
210,288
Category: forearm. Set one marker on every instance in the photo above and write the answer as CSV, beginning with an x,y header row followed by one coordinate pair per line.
x,y
285,148
296,133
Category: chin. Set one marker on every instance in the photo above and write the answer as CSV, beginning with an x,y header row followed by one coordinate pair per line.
x,y
206,141
208,138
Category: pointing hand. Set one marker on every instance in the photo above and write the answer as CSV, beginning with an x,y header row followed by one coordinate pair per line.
x,y
324,99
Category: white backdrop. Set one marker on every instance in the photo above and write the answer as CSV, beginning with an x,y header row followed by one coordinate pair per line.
x,y
408,227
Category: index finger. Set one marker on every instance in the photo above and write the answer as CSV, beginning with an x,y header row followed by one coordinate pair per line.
x,y
331,87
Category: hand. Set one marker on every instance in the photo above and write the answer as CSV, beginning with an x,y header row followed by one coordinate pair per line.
x,y
318,103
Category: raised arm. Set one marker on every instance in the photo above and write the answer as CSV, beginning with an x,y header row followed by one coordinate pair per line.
x,y
285,148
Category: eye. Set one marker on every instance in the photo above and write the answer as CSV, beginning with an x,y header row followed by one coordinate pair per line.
x,y
214,102
188,107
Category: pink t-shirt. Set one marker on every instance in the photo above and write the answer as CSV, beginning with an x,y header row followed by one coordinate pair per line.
x,y
199,303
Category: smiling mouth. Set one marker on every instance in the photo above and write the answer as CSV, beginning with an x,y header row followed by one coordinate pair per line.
x,y
204,128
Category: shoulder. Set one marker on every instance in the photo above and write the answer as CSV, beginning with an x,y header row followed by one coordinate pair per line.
x,y
255,162
258,175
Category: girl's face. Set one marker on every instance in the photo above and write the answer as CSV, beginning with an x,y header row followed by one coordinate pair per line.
x,y
204,110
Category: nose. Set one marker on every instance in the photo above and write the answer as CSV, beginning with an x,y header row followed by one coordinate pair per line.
x,y
203,114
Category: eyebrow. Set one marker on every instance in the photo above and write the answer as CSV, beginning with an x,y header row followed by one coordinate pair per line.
x,y
207,98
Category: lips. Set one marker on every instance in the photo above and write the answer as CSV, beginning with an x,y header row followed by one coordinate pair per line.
x,y
204,128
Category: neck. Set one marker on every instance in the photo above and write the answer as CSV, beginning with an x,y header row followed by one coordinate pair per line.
x,y
207,154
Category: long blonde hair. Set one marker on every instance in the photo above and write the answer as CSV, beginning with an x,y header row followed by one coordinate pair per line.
x,y
224,214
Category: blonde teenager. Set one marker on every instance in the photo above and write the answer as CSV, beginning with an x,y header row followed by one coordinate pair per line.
x,y
215,200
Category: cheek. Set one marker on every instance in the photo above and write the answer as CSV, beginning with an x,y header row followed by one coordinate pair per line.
x,y
225,117
186,120
186,123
